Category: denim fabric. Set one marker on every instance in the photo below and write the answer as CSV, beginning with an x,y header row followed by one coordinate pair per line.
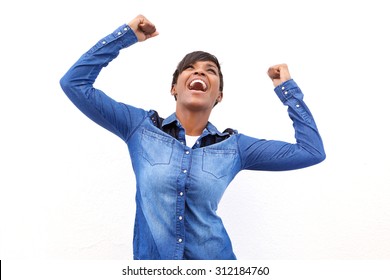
x,y
178,188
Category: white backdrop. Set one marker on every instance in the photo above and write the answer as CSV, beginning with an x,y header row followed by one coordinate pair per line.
x,y
67,187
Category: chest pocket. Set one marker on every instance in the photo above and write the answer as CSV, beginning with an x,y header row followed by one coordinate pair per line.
x,y
218,163
156,148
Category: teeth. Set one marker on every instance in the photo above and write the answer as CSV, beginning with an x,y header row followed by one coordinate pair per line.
x,y
192,84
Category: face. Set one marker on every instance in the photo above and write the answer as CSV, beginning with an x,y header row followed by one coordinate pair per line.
x,y
197,87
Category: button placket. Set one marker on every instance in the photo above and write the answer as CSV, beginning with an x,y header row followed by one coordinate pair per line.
x,y
181,184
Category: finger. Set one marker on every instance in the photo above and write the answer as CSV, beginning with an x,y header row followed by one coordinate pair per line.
x,y
147,27
284,72
274,72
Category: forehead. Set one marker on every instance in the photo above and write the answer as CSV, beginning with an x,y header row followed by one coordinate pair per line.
x,y
204,63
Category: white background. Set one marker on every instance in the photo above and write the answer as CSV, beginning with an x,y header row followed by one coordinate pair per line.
x,y
67,187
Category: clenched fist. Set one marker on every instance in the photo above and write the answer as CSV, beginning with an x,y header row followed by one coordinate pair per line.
x,y
143,28
279,74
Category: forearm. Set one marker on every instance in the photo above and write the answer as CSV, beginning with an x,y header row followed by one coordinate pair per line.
x,y
78,82
306,131
81,76
260,154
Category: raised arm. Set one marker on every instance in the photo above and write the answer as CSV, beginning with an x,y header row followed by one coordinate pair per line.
x,y
274,155
78,82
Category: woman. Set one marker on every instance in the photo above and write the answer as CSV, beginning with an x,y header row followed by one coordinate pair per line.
x,y
182,163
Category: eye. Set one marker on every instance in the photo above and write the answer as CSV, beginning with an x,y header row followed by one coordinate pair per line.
x,y
188,67
212,70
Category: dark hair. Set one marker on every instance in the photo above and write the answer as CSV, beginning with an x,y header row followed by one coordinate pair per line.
x,y
194,57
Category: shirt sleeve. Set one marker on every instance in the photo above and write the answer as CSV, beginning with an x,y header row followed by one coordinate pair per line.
x,y
272,155
77,83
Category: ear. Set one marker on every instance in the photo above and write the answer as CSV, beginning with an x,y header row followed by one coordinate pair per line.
x,y
173,90
220,96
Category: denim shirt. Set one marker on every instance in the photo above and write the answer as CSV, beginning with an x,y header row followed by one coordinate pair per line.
x,y
178,188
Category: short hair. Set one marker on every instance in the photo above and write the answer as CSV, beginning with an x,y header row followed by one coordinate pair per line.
x,y
194,57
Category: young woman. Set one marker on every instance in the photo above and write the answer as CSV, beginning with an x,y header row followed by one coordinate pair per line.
x,y
182,163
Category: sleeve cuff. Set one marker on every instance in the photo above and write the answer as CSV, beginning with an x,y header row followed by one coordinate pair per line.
x,y
287,90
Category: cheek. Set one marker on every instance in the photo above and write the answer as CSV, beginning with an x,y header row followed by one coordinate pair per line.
x,y
216,84
180,85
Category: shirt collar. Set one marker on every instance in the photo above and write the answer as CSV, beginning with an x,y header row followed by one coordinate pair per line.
x,y
172,118
210,128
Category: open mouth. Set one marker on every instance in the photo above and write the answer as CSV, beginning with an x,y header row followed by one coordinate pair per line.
x,y
198,84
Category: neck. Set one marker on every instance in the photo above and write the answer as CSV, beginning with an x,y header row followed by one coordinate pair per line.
x,y
193,122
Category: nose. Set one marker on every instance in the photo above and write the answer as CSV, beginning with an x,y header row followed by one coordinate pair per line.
x,y
199,72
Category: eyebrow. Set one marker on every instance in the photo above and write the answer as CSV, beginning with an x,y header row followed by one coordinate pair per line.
x,y
212,65
209,64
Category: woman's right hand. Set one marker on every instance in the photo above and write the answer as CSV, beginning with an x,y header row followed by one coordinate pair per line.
x,y
143,28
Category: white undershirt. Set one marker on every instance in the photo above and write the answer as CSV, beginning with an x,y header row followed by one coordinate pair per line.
x,y
191,140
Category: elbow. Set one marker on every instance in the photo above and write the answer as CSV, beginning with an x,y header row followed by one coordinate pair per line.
x,y
319,157
310,160
322,157
316,153
313,156
65,84
69,86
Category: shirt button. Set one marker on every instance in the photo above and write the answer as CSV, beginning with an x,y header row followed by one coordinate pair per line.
x,y
286,92
104,42
181,193
180,218
180,240
125,29
119,33
185,171
297,106
283,88
187,152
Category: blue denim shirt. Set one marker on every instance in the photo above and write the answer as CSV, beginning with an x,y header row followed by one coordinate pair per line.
x,y
178,188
